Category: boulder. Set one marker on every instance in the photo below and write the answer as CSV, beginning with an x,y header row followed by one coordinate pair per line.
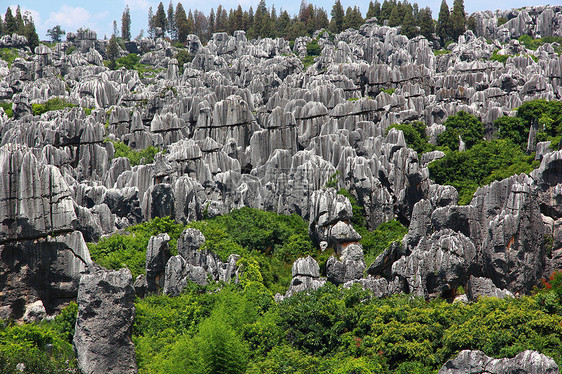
x,y
106,310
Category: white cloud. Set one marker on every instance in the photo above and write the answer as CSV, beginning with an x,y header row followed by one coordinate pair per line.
x,y
70,17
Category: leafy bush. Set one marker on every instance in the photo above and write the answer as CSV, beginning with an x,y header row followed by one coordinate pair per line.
x,y
39,347
480,165
130,61
514,129
183,57
51,104
313,49
308,61
7,106
389,91
141,157
499,58
9,55
547,114
375,242
129,249
415,136
462,124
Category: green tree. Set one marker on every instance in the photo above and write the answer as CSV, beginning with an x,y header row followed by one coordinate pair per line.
x,y
442,28
112,52
370,10
283,24
10,25
221,348
338,17
151,22
20,26
386,9
171,25
30,33
409,24
425,22
212,23
126,24
513,128
395,19
466,126
160,18
457,19
56,33
182,23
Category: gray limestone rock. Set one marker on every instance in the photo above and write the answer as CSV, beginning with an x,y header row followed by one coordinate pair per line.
x,y
104,323
478,286
157,255
526,362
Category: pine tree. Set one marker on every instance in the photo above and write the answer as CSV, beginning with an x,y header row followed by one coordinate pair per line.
x,y
457,19
338,16
150,23
283,24
377,12
371,10
10,26
112,52
160,18
115,31
321,17
212,22
239,19
394,19
386,9
425,22
181,23
30,32
172,29
442,27
471,24
126,24
409,24
20,26
1,27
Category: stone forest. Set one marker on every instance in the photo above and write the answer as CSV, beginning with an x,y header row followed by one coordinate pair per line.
x,y
254,192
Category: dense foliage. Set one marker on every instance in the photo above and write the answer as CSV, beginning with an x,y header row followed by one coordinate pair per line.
x,y
21,24
51,104
333,330
480,165
39,348
136,157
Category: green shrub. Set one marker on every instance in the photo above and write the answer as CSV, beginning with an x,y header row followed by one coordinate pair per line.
x,y
389,91
415,136
480,165
129,249
375,242
140,157
183,57
313,49
514,129
39,347
9,55
130,61
462,124
51,104
7,106
497,57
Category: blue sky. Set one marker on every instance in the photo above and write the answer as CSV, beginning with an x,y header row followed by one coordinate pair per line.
x,y
99,14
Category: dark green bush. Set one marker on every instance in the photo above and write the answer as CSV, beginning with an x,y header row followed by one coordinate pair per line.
x,y
462,124
49,105
497,57
480,165
313,48
130,61
7,106
140,157
415,136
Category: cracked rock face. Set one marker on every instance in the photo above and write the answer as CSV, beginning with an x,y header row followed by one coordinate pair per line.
x,y
102,340
526,362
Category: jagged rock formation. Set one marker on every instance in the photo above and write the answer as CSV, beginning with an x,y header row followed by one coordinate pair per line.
x,y
198,266
102,340
526,362
246,124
